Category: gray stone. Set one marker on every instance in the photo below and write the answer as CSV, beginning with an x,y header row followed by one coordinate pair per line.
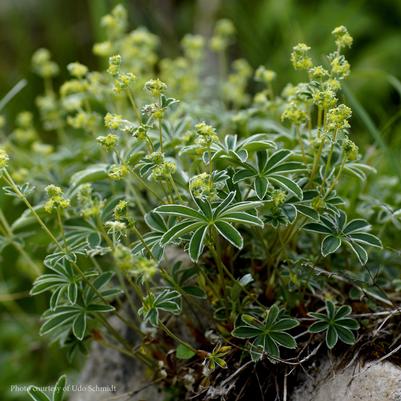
x,y
371,382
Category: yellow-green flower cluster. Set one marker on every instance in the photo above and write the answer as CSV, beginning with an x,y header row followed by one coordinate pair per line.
x,y
343,38
20,175
42,149
324,99
337,118
123,81
113,121
56,199
155,87
123,257
4,158
264,75
25,133
89,206
115,23
182,75
206,134
300,57
120,211
77,70
193,46
234,90
340,67
295,114
116,228
202,186
141,132
278,197
144,268
43,65
224,32
103,49
114,65
318,73
118,171
350,149
73,86
83,120
164,170
108,142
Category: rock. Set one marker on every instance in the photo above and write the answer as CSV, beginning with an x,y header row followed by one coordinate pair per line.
x,y
108,373
373,381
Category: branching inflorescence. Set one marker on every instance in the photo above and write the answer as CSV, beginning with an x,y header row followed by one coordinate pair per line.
x,y
250,187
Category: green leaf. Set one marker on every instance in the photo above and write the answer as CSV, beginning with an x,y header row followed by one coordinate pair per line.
x,y
342,311
183,352
331,337
317,327
194,291
277,158
285,324
284,339
230,233
359,251
287,167
58,391
169,300
37,395
100,308
308,212
271,347
224,204
243,217
246,332
330,244
243,175
90,174
367,238
102,280
72,292
272,315
287,184
345,335
330,309
348,322
56,320
79,326
196,244
179,210
178,231
356,225
261,184
317,228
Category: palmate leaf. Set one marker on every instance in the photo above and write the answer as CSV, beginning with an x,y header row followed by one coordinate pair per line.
x,y
57,395
338,231
236,150
167,300
336,324
269,171
220,216
268,335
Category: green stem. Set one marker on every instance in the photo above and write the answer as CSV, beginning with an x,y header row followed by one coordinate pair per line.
x,y
176,338
134,104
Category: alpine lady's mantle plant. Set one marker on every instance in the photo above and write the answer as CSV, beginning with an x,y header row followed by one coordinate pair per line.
x,y
257,190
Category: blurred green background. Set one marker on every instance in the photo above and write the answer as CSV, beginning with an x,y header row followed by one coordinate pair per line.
x,y
267,30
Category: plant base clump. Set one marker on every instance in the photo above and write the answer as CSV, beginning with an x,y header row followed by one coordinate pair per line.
x,y
289,235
